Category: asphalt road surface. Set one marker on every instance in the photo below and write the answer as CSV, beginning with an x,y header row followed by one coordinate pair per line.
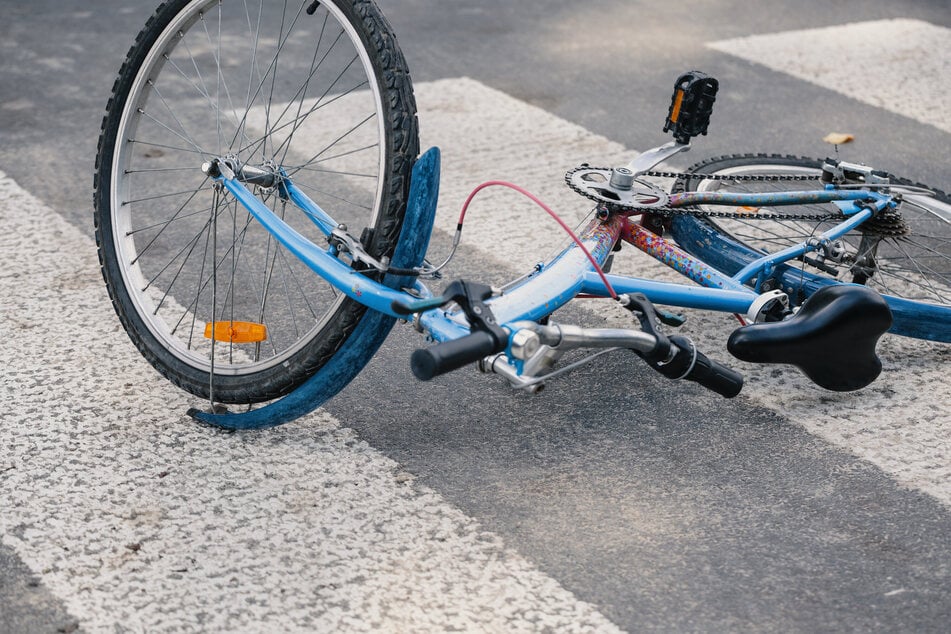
x,y
614,500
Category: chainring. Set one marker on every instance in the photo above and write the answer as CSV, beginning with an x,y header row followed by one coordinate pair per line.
x,y
595,183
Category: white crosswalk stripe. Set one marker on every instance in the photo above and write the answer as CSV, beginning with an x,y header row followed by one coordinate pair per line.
x,y
901,65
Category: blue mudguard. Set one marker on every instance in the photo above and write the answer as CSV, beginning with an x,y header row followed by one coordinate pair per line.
x,y
372,330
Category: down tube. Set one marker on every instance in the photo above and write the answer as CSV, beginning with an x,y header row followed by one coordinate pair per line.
x,y
677,259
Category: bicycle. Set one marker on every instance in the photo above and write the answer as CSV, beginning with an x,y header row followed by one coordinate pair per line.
x,y
240,288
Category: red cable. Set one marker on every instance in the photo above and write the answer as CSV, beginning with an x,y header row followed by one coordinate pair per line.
x,y
533,198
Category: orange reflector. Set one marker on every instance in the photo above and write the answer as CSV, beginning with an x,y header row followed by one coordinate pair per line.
x,y
237,331
678,100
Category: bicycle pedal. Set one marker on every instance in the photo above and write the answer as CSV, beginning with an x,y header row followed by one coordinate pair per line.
x,y
691,105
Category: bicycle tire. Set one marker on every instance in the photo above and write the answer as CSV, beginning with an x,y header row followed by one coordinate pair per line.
x,y
912,271
325,96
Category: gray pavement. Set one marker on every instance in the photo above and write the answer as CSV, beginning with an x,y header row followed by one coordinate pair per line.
x,y
630,502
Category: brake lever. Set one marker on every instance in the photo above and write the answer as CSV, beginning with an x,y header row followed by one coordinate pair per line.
x,y
470,296
641,307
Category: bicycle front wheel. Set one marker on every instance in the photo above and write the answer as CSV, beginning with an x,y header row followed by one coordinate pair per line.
x,y
906,256
317,91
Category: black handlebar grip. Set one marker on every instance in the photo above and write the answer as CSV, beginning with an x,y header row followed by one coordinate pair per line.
x,y
452,355
716,377
689,363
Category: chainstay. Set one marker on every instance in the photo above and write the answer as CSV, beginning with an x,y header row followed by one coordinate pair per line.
x,y
668,211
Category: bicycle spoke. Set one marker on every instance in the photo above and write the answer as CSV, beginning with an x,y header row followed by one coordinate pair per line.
x,y
301,290
203,89
168,222
192,309
168,290
774,234
898,245
323,192
160,196
149,170
337,172
170,147
314,66
252,66
269,271
219,79
253,146
374,146
172,113
205,282
286,143
148,115
335,142
287,296
267,72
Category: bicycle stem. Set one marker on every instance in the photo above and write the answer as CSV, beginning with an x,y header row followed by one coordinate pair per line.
x,y
568,337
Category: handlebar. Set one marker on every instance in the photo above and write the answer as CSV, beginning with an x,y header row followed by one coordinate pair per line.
x,y
677,359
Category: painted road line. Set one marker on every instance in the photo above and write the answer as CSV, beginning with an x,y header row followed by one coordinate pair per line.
x,y
138,518
900,65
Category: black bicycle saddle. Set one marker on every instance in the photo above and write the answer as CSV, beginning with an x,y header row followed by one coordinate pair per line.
x,y
831,339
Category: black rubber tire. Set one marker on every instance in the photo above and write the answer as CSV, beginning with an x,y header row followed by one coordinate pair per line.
x,y
401,150
721,244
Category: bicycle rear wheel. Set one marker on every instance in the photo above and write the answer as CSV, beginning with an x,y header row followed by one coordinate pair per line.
x,y
906,258
318,91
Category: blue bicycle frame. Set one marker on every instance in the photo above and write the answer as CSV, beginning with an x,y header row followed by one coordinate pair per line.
x,y
570,273
539,294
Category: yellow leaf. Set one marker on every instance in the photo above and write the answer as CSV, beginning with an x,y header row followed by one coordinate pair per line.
x,y
838,138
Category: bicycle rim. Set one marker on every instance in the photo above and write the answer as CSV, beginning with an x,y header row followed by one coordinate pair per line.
x,y
273,86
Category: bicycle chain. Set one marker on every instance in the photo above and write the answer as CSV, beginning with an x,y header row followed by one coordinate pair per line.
x,y
668,211
732,177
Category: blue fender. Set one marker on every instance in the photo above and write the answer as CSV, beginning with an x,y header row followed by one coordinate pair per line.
x,y
372,330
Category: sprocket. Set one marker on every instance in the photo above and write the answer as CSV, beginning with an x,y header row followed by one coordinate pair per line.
x,y
601,184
